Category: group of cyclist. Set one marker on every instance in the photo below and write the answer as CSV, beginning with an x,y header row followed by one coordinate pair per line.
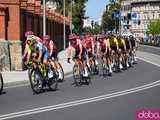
x,y
112,49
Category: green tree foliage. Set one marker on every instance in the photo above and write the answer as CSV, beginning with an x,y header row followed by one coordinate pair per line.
x,y
154,27
108,23
79,15
78,12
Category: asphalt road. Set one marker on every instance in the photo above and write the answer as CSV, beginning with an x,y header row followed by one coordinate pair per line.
x,y
70,103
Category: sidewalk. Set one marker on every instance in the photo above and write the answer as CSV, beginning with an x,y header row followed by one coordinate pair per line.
x,y
22,76
149,57
150,46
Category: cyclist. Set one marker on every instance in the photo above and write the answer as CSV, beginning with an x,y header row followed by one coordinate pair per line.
x,y
128,49
51,46
133,48
88,44
80,53
37,49
108,53
105,50
114,48
28,47
122,50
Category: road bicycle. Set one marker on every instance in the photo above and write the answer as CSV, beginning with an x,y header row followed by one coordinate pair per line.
x,y
60,67
41,77
78,72
1,83
105,66
93,63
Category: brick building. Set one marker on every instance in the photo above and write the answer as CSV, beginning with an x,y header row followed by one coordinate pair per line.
x,y
19,16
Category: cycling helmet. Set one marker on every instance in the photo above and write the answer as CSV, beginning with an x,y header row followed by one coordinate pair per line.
x,y
46,37
28,33
31,38
72,37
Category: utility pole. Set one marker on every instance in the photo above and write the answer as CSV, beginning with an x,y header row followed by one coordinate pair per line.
x,y
44,17
71,16
64,24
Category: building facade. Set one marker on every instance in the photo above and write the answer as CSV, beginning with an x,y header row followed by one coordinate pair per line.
x,y
141,12
19,16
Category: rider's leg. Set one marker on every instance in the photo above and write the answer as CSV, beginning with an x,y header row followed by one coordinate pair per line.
x,y
57,66
120,59
127,58
84,60
108,61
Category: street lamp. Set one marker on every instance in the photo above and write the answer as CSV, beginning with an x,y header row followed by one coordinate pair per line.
x,y
64,24
44,17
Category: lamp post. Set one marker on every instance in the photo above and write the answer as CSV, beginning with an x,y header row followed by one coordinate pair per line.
x,y
64,24
71,16
44,17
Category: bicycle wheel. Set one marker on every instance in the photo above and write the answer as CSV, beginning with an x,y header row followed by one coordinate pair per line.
x,y
87,79
1,83
105,69
77,75
96,69
52,80
35,79
62,72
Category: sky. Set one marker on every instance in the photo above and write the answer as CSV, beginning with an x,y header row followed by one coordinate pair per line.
x,y
95,8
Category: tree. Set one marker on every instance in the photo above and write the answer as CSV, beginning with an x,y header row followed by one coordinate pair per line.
x,y
79,15
109,22
154,27
78,12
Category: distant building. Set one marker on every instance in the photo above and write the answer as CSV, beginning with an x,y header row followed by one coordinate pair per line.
x,y
137,14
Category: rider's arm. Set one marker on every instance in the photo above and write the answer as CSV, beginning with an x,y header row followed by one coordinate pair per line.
x,y
106,45
93,47
109,46
40,51
51,48
98,48
25,50
81,49
117,44
124,44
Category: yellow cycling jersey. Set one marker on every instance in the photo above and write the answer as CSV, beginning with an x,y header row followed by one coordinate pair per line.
x,y
121,42
113,41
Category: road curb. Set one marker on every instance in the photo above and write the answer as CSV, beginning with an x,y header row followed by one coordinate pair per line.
x,y
25,82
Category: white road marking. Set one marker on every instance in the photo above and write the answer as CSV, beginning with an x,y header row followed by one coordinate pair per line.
x,y
149,61
83,101
79,102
